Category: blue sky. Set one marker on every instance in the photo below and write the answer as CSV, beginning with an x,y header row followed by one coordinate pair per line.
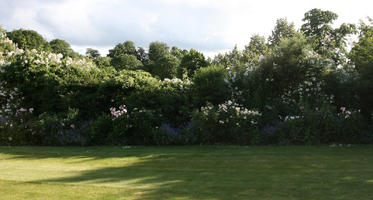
x,y
209,26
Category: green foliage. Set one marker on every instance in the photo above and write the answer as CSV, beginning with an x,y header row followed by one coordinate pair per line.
x,y
362,56
209,85
126,61
191,62
158,50
233,58
125,56
175,51
142,55
102,62
283,29
325,40
61,46
165,66
127,47
22,128
287,65
361,53
323,126
92,53
28,39
227,123
286,91
254,49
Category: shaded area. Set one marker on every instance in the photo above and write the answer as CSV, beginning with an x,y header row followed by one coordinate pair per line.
x,y
221,172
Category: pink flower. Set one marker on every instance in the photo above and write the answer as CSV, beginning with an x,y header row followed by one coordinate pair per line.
x,y
72,126
343,109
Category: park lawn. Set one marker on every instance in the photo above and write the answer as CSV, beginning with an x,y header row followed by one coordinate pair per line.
x,y
187,172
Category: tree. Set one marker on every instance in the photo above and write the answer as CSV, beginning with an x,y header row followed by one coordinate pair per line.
x,y
256,47
158,50
28,39
209,86
233,58
92,53
126,61
166,66
192,61
102,62
62,47
283,29
123,56
142,55
288,63
127,47
362,56
325,40
175,51
362,52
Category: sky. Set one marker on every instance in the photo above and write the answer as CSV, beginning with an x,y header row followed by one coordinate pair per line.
x,y
209,26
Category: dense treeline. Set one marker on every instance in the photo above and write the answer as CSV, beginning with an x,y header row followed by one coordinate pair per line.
x,y
295,87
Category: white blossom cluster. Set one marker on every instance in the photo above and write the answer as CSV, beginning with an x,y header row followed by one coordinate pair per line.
x,y
310,88
117,113
9,53
231,80
292,117
178,83
345,113
229,110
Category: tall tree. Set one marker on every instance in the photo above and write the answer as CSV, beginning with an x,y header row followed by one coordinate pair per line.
x,y
256,47
92,53
123,55
62,47
166,66
127,47
142,55
283,29
191,62
157,50
362,57
326,41
28,39
126,61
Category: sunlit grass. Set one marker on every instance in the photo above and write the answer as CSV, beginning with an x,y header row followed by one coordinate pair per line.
x,y
213,172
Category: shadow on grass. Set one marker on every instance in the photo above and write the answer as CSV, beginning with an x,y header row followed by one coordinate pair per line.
x,y
94,153
157,173
164,177
217,172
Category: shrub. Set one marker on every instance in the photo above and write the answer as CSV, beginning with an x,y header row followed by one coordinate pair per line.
x,y
227,123
22,128
209,86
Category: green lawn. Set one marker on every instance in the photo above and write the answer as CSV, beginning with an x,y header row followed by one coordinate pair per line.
x,y
191,172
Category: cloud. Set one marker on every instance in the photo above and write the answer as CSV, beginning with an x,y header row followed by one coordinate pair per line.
x,y
206,25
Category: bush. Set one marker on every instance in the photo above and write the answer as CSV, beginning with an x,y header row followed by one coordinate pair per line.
x,y
227,123
22,128
63,130
209,85
322,126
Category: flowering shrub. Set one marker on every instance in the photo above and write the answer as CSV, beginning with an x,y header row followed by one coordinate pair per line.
x,y
290,95
21,128
323,125
64,129
227,123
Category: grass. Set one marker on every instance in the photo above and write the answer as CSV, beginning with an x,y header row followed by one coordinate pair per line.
x,y
187,172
